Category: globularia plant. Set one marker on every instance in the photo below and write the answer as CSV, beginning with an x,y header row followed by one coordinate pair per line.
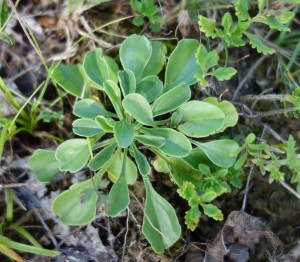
x,y
141,114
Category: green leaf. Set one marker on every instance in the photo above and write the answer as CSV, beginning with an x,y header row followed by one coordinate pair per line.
x,y
124,133
3,14
241,161
102,157
72,79
135,52
223,73
136,5
231,116
106,123
207,26
176,144
119,193
160,224
77,205
114,170
241,9
286,16
239,29
141,161
227,22
89,108
183,71
72,155
97,68
197,159
250,139
205,59
182,172
192,218
257,43
150,87
273,23
200,119
208,196
86,127
171,100
114,94
44,165
127,82
138,21
218,151
138,107
212,211
157,59
188,192
154,141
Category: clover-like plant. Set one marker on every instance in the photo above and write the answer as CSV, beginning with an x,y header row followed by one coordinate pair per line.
x,y
141,115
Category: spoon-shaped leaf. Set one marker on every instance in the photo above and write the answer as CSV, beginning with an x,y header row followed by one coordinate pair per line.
x,y
39,160
86,127
124,133
141,161
97,68
114,94
157,59
135,53
138,107
127,81
176,144
102,157
150,87
119,193
219,151
182,65
114,170
89,108
77,205
231,116
147,140
171,100
106,123
160,224
72,155
72,79
200,119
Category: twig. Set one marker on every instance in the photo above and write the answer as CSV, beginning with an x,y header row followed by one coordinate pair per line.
x,y
125,237
245,79
259,122
247,190
290,189
45,226
272,112
12,185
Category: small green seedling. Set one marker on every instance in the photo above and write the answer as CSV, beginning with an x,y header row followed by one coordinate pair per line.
x,y
149,11
141,114
233,33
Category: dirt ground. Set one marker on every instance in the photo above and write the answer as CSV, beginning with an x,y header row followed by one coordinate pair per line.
x,y
268,230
